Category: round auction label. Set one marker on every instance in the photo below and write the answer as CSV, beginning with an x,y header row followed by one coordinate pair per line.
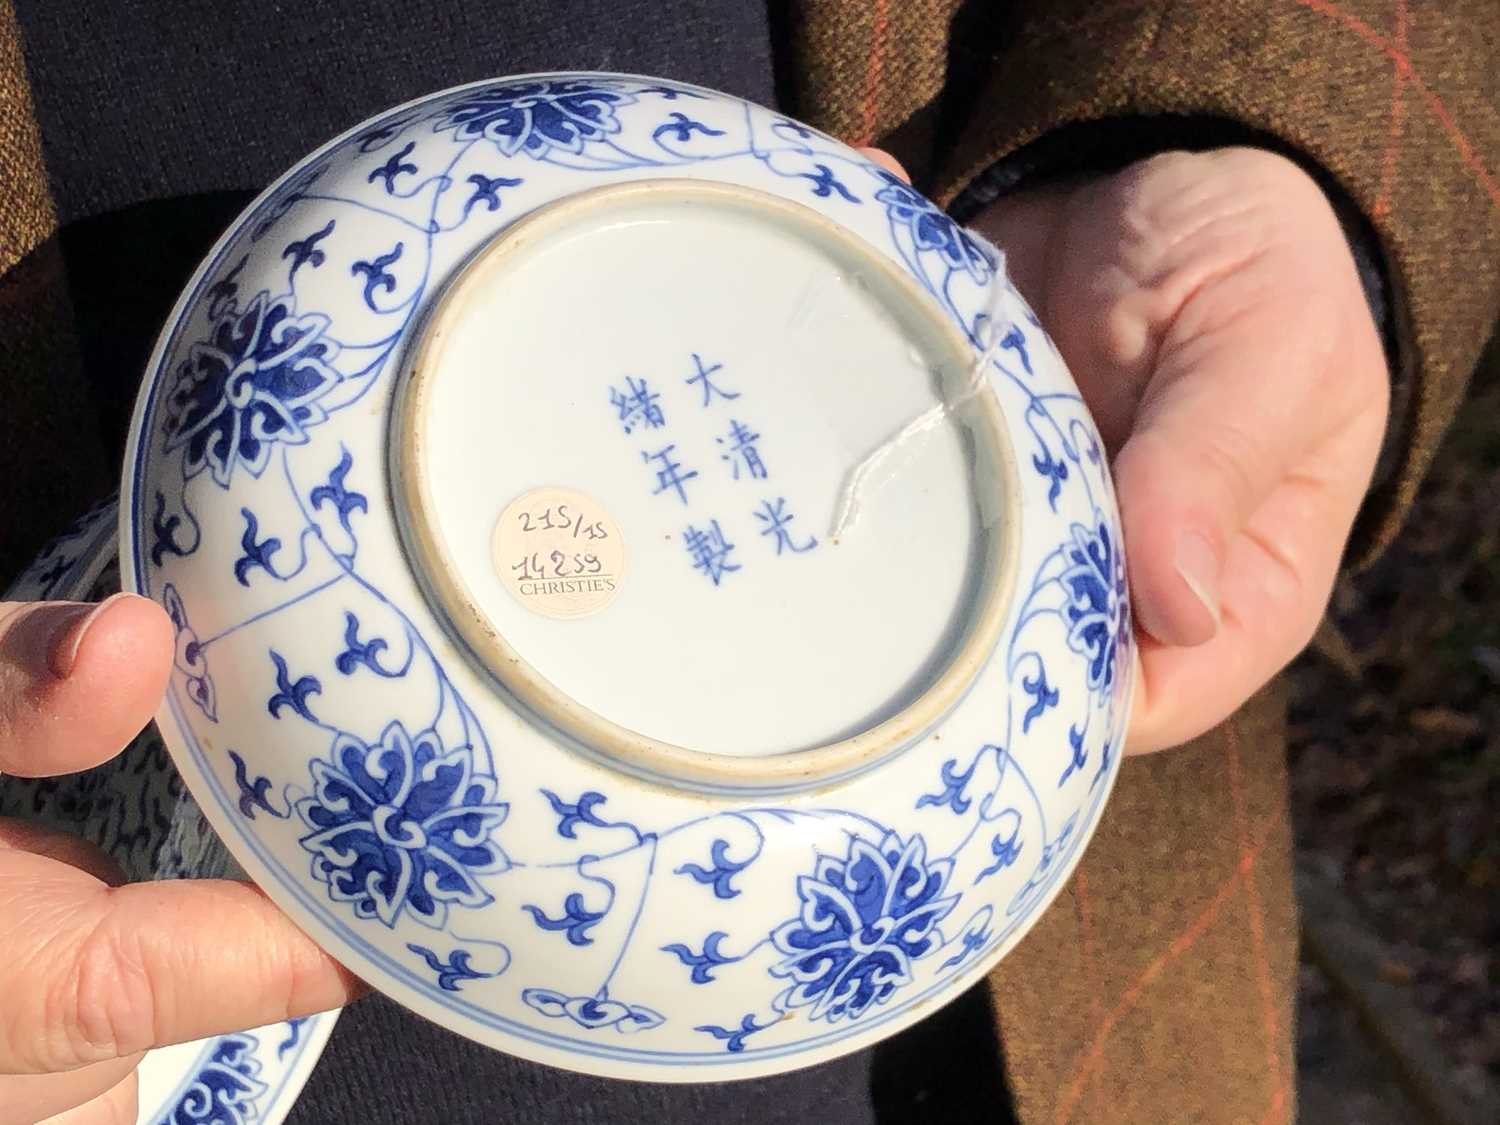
x,y
559,553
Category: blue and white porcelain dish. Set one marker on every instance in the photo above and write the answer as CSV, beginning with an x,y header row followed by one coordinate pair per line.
x,y
249,1076
648,593
135,808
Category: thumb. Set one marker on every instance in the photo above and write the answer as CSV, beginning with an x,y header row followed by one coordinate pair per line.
x,y
1240,391
78,681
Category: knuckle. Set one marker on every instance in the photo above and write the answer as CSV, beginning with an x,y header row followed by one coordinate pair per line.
x,y
1129,329
103,1004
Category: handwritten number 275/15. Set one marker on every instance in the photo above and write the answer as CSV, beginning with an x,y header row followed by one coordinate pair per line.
x,y
557,565
561,521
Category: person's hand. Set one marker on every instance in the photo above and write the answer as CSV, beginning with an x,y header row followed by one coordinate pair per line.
x,y
93,973
1209,307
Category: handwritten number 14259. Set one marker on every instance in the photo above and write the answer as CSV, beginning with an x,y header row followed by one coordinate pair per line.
x,y
535,567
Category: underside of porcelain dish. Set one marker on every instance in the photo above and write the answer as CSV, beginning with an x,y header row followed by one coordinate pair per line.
x,y
778,353
648,593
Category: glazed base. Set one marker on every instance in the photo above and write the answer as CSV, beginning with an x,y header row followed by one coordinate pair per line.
x,y
669,452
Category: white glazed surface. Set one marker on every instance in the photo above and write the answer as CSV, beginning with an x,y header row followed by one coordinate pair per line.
x,y
518,891
814,401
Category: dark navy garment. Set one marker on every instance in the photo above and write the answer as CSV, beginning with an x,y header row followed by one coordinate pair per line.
x,y
160,119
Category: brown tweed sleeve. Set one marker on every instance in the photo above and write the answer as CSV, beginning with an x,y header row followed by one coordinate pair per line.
x,y
25,206
1397,100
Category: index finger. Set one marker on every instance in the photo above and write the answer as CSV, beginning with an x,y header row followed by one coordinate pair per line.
x,y
93,972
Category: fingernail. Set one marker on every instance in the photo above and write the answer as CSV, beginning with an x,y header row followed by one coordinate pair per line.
x,y
69,632
1198,566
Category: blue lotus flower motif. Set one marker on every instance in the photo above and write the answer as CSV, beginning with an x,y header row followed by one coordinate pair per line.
x,y
931,229
537,117
1097,609
865,918
255,381
593,1012
403,824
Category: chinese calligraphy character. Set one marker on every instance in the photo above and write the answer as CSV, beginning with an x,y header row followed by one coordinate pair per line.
x,y
775,517
742,451
709,551
709,388
636,405
669,473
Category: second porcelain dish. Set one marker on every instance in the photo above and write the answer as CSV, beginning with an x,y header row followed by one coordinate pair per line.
x,y
648,594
